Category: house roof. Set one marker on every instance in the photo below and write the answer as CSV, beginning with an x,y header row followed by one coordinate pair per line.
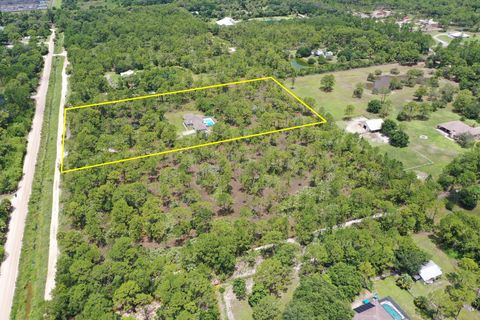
x,y
227,21
195,121
374,124
458,127
430,271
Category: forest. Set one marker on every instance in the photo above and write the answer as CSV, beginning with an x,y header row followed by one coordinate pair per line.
x,y
20,65
133,128
465,13
162,231
165,232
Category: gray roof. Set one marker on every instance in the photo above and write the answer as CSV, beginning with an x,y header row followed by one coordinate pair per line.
x,y
456,128
194,121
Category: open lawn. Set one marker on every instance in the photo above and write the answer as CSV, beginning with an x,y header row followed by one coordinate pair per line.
x,y
428,155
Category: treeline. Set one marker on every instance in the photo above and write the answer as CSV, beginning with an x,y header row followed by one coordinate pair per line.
x,y
461,178
461,12
5,209
458,62
190,46
20,64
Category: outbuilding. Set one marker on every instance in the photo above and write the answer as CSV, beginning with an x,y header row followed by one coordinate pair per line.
x,y
430,272
373,125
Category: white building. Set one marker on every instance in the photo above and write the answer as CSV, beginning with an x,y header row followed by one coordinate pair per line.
x,y
458,34
373,125
227,21
127,73
430,272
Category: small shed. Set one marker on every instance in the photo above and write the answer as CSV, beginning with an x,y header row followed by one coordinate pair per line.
x,y
430,272
373,125
227,21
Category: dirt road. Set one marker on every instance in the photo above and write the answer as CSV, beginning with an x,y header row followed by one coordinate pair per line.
x,y
53,251
13,245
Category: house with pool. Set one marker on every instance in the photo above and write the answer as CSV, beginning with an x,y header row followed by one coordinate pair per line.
x,y
379,309
197,123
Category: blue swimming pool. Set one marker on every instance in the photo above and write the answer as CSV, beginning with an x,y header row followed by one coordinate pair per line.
x,y
208,122
392,311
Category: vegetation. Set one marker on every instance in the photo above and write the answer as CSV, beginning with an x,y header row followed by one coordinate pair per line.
x,y
21,64
29,294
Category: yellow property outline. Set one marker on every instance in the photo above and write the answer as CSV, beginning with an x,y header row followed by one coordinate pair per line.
x,y
322,120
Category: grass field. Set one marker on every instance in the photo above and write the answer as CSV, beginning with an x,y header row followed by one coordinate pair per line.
x,y
59,39
427,155
28,301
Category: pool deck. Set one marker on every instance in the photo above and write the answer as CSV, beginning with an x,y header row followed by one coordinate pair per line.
x,y
378,312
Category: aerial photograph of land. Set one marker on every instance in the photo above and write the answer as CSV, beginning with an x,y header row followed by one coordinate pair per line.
x,y
239,160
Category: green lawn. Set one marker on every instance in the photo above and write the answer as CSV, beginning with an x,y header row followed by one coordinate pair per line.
x,y
59,39
427,155
28,302
445,262
176,118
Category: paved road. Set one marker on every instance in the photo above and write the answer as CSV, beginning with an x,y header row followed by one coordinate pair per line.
x,y
53,248
13,246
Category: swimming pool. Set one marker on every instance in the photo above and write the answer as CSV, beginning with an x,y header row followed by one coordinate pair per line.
x,y
392,311
208,122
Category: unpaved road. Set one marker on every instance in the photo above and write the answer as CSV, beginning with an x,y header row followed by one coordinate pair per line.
x,y
13,245
53,251
442,42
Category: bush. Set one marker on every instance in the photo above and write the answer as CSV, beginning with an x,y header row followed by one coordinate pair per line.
x,y
399,139
395,84
378,72
371,77
311,60
395,71
374,106
389,127
239,288
402,116
468,197
303,52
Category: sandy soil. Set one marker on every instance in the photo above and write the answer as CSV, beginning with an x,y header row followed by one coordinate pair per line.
x,y
13,246
53,251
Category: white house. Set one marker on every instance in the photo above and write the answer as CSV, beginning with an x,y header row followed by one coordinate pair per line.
x,y
127,73
430,272
227,21
373,125
458,35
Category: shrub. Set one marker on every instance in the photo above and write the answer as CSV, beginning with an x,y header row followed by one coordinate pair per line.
x,y
374,106
239,288
378,72
395,71
389,127
303,52
311,60
399,139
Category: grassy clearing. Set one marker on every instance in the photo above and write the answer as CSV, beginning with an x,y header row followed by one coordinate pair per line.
x,y
28,301
445,262
403,298
427,155
59,39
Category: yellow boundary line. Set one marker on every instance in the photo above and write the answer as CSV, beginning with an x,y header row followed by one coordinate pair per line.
x,y
322,120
